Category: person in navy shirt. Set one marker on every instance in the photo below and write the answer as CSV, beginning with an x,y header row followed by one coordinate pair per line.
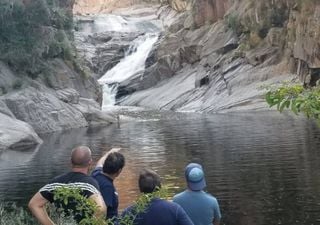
x,y
158,211
108,167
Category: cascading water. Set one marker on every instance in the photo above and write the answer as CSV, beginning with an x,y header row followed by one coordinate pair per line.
x,y
131,65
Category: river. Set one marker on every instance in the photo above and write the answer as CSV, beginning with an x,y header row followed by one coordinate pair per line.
x,y
263,167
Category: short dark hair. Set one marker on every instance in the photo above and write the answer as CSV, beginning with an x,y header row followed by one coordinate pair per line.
x,y
114,162
149,181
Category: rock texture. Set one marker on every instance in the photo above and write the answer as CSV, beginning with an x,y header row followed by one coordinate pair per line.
x,y
31,107
218,53
16,134
105,6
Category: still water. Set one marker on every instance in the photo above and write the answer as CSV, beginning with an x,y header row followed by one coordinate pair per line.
x,y
264,168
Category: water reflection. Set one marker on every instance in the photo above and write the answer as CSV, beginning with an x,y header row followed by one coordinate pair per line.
x,y
263,168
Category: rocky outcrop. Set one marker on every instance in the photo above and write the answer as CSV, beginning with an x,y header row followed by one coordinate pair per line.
x,y
105,6
305,29
102,51
16,134
43,110
32,107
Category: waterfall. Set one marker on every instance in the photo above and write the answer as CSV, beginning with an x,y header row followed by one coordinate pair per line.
x,y
131,65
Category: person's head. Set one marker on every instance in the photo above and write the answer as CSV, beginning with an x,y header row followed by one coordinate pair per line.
x,y
195,177
81,157
149,181
114,163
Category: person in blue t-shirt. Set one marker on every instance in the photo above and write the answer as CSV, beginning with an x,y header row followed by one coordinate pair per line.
x,y
158,211
201,207
108,167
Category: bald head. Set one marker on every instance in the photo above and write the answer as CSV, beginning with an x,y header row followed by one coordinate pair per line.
x,y
81,156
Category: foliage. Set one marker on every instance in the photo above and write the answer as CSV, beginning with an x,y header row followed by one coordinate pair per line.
x,y
295,97
234,24
86,207
10,214
31,30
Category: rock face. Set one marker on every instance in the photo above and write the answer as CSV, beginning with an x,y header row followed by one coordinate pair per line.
x,y
16,134
43,110
105,6
32,107
219,52
102,51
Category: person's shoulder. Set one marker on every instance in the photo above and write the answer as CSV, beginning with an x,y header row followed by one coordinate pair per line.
x,y
97,171
178,196
210,196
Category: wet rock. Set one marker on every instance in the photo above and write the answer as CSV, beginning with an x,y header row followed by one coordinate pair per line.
x,y
93,114
102,51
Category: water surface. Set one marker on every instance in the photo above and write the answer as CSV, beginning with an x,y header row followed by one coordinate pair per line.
x,y
263,168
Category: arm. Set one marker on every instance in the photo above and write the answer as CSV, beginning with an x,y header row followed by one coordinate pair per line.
x,y
37,207
103,158
102,208
216,222
216,213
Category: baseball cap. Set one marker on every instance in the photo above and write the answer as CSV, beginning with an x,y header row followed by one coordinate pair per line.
x,y
195,177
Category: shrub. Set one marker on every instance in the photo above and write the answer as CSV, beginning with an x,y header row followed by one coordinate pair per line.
x,y
295,97
32,31
234,24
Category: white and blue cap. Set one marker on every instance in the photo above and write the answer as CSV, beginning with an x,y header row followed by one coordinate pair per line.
x,y
195,177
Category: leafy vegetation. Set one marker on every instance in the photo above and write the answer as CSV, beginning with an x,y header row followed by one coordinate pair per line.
x,y
10,214
296,98
32,32
13,215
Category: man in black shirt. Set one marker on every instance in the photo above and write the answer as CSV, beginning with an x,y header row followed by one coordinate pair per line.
x,y
77,178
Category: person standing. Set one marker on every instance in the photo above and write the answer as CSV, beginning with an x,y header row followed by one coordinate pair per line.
x,y
201,207
77,178
108,168
158,211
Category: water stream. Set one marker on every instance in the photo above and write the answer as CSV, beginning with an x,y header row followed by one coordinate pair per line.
x,y
132,64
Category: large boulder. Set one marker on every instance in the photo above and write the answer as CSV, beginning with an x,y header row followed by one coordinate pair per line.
x,y
93,114
43,110
16,134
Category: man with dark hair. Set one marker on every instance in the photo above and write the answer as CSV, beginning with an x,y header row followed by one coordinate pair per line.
x,y
201,207
77,178
109,167
158,211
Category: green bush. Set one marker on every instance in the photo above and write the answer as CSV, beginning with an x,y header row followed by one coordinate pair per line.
x,y
233,22
10,214
296,98
32,32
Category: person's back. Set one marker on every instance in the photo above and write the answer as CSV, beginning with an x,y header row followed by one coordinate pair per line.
x,y
77,179
201,207
108,168
158,211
